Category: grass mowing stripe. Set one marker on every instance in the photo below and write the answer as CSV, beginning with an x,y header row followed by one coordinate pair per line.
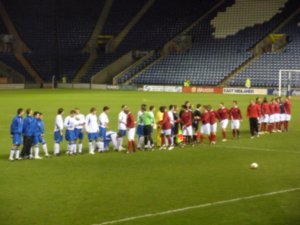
x,y
199,206
255,149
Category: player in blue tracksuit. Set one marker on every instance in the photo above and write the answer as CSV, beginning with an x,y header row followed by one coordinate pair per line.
x,y
16,129
28,130
38,137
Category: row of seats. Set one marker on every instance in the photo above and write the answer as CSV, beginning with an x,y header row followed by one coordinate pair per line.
x,y
264,72
209,55
160,23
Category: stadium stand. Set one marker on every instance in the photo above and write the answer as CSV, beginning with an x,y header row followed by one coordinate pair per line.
x,y
264,71
161,23
56,32
210,59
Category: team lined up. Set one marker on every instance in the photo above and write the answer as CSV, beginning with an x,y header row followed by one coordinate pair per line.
x,y
172,127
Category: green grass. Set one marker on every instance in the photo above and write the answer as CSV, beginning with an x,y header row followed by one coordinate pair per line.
x,y
85,190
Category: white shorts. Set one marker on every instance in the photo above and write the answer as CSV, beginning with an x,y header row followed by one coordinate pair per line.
x,y
213,128
235,124
265,118
187,131
167,132
224,123
205,129
282,117
131,134
288,117
277,117
272,118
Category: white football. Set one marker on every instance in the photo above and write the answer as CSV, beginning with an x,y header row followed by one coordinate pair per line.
x,y
254,165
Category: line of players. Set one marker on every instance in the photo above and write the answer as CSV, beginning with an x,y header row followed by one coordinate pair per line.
x,y
269,117
173,128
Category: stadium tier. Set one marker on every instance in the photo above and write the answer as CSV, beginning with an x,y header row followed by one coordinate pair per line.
x,y
264,71
10,60
56,33
210,59
160,23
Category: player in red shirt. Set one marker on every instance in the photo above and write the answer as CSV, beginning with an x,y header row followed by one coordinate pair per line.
x,y
186,119
205,127
272,115
213,116
265,111
223,113
287,107
130,124
253,115
236,117
258,105
165,124
277,115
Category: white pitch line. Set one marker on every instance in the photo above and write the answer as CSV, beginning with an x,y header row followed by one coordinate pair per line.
x,y
198,206
255,149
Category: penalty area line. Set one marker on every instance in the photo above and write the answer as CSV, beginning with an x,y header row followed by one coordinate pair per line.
x,y
254,149
198,206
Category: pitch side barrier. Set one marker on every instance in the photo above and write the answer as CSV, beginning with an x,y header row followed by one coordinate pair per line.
x,y
295,92
218,90
245,91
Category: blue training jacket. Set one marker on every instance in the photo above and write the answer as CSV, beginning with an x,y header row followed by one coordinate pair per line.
x,y
39,127
29,126
16,126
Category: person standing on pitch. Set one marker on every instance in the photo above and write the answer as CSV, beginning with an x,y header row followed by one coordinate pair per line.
x,y
253,115
147,120
122,120
70,123
288,111
130,131
236,117
36,136
92,128
103,119
223,113
140,127
28,129
16,129
79,130
58,131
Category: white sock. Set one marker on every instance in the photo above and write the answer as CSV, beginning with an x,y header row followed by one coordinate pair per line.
x,y
80,147
140,142
69,148
45,149
56,148
31,151
91,147
166,141
73,148
120,142
172,140
100,145
12,153
17,153
36,152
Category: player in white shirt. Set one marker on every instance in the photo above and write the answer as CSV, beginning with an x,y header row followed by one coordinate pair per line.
x,y
79,130
172,121
92,128
58,131
70,123
122,120
103,120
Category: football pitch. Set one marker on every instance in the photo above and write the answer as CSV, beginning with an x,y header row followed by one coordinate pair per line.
x,y
205,185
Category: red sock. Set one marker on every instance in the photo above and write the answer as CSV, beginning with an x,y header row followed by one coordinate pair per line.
x,y
133,146
129,147
202,139
162,140
233,133
215,137
263,127
270,127
286,125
